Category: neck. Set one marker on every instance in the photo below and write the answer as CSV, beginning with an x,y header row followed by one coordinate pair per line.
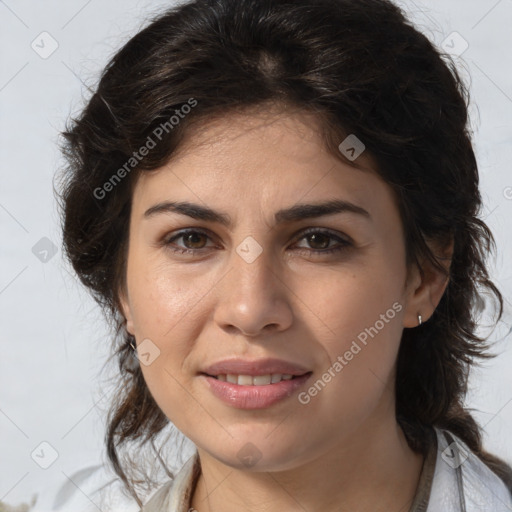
x,y
373,469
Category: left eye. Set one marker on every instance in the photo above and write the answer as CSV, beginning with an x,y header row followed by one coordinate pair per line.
x,y
324,238
195,240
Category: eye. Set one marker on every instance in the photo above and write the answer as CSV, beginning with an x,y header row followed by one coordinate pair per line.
x,y
320,239
195,241
192,238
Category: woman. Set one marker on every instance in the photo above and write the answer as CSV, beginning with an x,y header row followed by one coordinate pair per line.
x,y
276,203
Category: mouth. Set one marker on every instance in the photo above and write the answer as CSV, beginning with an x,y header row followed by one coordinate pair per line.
x,y
264,370
255,380
243,391
254,383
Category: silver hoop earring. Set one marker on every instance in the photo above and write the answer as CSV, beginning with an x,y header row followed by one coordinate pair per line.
x,y
132,345
419,320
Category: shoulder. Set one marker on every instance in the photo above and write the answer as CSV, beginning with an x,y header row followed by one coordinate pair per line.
x,y
462,479
160,499
174,495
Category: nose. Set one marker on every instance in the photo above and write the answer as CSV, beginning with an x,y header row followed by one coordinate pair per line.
x,y
253,298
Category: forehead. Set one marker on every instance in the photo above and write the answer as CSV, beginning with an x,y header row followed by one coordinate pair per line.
x,y
266,154
276,126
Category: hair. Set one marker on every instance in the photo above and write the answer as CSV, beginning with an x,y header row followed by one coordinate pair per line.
x,y
362,68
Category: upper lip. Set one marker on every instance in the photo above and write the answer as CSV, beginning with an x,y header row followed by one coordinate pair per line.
x,y
254,367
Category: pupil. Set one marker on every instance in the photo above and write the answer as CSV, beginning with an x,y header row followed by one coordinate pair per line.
x,y
315,237
193,236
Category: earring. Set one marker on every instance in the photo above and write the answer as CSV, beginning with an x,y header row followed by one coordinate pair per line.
x,y
419,320
131,345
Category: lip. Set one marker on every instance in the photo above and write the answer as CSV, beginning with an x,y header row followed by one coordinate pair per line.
x,y
254,397
254,367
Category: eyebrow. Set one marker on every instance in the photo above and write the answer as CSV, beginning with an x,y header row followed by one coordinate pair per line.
x,y
293,214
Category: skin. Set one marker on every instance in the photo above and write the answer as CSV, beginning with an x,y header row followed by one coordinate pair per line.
x,y
344,449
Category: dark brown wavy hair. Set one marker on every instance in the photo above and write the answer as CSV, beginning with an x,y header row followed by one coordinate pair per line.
x,y
362,68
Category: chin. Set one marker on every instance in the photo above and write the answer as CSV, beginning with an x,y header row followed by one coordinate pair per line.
x,y
256,453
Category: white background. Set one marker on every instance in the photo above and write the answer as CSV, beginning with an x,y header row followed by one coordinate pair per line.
x,y
53,339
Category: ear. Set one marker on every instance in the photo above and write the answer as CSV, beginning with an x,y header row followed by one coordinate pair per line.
x,y
126,311
425,288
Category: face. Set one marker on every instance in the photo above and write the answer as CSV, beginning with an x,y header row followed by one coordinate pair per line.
x,y
325,292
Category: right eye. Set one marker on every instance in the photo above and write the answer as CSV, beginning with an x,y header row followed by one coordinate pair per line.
x,y
191,237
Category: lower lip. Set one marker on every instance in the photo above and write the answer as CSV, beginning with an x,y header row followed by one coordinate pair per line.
x,y
253,397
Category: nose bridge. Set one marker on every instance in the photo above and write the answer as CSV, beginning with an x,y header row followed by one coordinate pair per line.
x,y
253,298
254,268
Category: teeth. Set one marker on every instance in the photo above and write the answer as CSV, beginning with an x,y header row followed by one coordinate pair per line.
x,y
244,380
261,380
249,380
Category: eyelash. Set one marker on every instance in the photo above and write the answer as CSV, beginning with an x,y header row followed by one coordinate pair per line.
x,y
344,244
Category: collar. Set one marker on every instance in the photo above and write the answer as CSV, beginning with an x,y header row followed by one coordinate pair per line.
x,y
462,482
453,479
175,495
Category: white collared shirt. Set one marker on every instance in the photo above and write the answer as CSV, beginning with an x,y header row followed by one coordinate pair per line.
x,y
453,479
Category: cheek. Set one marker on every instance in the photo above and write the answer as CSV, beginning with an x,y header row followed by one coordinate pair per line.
x,y
356,379
360,313
352,300
163,299
167,312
